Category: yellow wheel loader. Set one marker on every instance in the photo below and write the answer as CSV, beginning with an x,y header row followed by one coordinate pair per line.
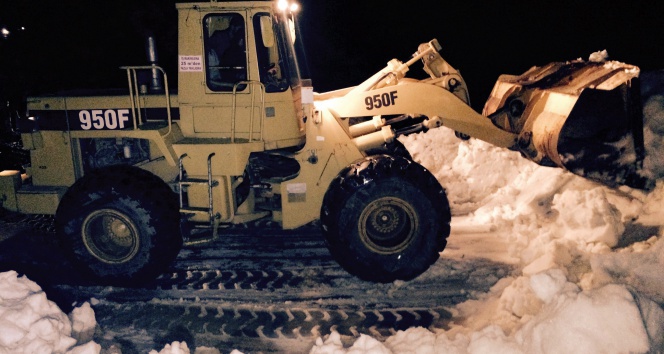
x,y
132,174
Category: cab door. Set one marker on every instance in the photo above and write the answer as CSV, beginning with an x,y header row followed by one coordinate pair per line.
x,y
223,101
227,80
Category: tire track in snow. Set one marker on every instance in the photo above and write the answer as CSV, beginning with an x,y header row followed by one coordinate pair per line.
x,y
257,289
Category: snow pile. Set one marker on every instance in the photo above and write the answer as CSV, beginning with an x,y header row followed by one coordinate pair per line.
x,y
469,171
578,290
599,56
653,135
30,323
173,348
182,348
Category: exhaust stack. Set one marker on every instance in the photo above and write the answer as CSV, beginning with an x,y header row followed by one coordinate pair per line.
x,y
156,83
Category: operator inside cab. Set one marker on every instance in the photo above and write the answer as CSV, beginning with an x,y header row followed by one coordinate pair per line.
x,y
225,51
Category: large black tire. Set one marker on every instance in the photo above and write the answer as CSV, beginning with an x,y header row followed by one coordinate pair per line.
x,y
385,218
120,224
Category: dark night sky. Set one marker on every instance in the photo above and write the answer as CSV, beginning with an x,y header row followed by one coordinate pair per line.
x,y
80,44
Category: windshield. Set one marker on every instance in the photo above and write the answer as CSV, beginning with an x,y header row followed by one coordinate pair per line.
x,y
291,48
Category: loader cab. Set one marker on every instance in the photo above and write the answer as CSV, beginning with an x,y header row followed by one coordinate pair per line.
x,y
238,77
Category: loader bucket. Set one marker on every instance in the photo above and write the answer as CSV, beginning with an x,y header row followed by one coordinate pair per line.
x,y
585,117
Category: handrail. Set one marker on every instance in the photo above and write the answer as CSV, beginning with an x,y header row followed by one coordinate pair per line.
x,y
251,116
181,178
134,93
210,199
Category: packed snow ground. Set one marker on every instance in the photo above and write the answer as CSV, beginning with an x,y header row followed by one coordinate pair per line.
x,y
591,261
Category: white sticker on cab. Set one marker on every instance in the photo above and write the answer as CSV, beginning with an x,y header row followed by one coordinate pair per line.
x,y
191,63
296,188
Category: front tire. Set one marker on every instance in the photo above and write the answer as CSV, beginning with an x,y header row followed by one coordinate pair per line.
x,y
120,224
385,218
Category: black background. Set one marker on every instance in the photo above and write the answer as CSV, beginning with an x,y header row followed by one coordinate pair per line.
x,y
81,44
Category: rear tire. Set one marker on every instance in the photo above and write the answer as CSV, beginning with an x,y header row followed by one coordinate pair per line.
x,y
120,224
385,218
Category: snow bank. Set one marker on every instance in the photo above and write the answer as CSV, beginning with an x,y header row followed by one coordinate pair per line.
x,y
182,348
639,266
30,323
577,290
653,134
607,320
173,348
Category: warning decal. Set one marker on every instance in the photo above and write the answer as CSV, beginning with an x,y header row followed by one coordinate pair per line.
x,y
191,63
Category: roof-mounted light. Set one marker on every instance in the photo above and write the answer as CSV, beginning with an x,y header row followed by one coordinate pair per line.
x,y
284,5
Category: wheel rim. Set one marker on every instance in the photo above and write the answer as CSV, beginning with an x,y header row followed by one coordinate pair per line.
x,y
110,236
387,225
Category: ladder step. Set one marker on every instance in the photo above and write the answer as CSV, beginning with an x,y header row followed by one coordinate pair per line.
x,y
201,226
198,241
190,212
192,181
197,236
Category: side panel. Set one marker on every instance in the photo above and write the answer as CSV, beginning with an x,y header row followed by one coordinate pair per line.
x,y
328,150
10,182
51,158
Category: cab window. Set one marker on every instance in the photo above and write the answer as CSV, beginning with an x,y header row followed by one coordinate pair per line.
x,y
225,51
269,62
